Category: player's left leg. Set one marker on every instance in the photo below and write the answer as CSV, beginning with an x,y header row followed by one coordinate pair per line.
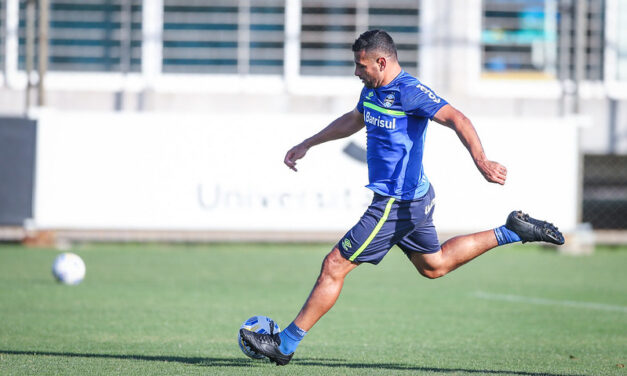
x,y
461,249
453,253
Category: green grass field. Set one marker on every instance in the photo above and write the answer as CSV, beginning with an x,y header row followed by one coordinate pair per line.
x,y
175,310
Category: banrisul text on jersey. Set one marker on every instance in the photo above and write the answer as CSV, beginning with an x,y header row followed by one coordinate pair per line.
x,y
379,120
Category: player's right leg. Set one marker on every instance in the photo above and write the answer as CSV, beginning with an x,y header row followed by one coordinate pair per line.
x,y
280,347
326,290
368,241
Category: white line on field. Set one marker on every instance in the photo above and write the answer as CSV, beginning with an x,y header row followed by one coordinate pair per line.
x,y
543,301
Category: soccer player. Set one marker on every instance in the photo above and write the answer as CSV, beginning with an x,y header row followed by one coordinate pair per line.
x,y
395,108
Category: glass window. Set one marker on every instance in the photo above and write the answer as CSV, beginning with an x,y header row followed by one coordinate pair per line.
x,y
2,33
594,39
267,36
622,40
329,28
401,20
90,35
537,38
222,37
200,38
518,37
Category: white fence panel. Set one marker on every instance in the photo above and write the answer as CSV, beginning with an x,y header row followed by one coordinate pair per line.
x,y
226,172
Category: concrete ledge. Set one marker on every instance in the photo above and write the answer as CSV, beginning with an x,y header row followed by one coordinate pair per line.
x,y
12,233
60,237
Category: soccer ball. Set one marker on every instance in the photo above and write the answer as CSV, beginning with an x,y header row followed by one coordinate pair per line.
x,y
68,268
259,324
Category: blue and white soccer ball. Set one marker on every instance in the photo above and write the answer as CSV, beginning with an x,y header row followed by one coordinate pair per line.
x,y
259,324
68,268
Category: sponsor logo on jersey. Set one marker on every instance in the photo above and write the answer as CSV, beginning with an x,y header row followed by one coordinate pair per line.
x,y
379,122
370,94
347,243
389,100
429,93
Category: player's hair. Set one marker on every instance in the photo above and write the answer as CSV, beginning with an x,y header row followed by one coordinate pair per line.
x,y
376,40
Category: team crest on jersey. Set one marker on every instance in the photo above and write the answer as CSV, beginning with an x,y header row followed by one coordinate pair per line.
x,y
389,100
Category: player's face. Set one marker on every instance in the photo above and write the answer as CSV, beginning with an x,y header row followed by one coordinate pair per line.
x,y
368,69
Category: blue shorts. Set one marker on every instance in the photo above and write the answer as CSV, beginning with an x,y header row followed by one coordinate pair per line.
x,y
388,222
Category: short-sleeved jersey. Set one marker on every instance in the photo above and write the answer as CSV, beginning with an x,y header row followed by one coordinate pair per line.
x,y
396,117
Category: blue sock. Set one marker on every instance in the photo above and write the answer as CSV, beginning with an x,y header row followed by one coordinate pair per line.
x,y
290,338
505,235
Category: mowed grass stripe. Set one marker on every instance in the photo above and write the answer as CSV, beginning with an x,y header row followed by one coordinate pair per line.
x,y
542,301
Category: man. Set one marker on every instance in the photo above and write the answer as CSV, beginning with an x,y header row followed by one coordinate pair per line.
x,y
395,109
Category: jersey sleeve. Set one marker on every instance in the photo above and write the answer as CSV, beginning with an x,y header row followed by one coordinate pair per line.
x,y
419,100
360,103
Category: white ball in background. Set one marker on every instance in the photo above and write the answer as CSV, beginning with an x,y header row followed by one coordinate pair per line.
x,y
68,268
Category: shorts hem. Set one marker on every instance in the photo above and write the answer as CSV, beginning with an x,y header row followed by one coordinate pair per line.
x,y
357,260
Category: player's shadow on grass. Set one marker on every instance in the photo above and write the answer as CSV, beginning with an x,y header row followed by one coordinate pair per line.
x,y
200,361
316,362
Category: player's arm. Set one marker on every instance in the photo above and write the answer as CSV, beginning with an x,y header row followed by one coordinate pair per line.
x,y
454,119
344,126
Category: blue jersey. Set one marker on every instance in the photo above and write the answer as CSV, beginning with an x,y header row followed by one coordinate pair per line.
x,y
396,117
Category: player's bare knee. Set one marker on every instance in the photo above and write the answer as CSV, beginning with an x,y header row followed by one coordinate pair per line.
x,y
333,266
432,273
431,267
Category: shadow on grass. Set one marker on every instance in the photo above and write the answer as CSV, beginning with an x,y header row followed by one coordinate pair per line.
x,y
204,361
409,367
317,362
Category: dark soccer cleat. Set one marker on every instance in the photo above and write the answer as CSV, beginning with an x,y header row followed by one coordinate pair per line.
x,y
533,230
267,345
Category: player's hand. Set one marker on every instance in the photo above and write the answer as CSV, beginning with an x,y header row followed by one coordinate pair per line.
x,y
492,171
294,154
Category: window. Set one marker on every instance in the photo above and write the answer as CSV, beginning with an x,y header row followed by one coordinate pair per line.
x,y
223,37
518,37
267,19
537,38
90,35
329,28
594,40
622,40
400,19
3,18
199,38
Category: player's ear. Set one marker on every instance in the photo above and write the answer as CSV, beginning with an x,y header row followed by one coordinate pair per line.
x,y
381,62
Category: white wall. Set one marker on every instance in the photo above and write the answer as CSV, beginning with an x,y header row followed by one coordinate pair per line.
x,y
226,172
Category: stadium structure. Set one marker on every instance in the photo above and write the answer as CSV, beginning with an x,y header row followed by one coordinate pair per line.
x,y
167,120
